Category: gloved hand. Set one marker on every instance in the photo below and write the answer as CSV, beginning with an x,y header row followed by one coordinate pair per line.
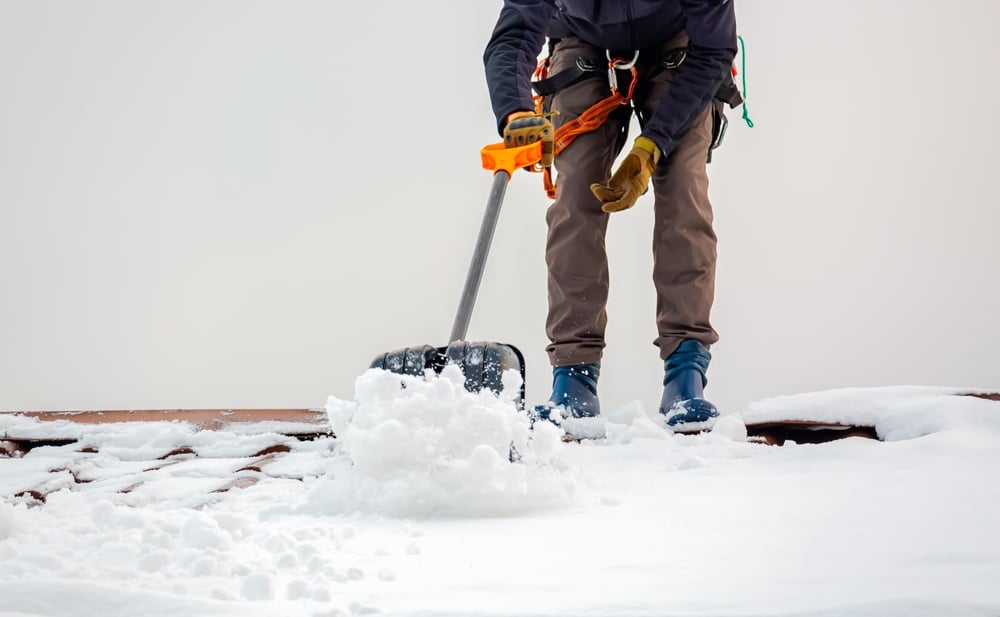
x,y
631,179
527,127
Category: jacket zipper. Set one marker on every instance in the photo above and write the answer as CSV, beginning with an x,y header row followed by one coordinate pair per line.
x,y
631,23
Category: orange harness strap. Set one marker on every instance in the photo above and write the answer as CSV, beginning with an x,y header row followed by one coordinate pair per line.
x,y
596,115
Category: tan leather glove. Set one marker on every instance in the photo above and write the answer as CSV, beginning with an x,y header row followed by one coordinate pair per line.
x,y
527,127
631,179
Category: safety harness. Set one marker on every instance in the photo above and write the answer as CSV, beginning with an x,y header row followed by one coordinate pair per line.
x,y
596,115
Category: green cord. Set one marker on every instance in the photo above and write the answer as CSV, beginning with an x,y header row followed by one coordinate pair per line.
x,y
743,58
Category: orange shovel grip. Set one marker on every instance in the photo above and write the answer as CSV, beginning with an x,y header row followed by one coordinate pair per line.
x,y
498,157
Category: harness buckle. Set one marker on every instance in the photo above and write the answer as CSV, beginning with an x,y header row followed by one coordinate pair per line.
x,y
674,58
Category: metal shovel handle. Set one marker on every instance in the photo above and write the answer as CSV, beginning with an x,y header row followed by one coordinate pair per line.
x,y
502,161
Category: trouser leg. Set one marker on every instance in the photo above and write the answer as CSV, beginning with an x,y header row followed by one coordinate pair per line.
x,y
575,249
684,241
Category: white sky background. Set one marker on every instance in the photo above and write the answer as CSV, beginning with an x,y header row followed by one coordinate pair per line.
x,y
239,204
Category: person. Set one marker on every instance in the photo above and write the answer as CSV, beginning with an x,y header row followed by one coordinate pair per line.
x,y
683,52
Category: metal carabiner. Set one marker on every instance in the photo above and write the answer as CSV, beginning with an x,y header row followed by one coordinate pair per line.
x,y
618,64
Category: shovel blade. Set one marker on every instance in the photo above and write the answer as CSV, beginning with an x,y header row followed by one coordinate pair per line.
x,y
482,363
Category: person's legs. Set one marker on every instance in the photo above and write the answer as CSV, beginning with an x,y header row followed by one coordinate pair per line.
x,y
575,251
684,259
684,242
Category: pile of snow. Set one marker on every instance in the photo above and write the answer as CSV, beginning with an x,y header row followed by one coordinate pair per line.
x,y
412,447
415,447
896,412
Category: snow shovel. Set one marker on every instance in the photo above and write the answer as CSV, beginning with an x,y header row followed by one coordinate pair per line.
x,y
482,362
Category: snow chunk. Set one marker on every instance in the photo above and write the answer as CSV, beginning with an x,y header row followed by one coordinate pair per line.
x,y
415,447
155,561
257,588
7,522
205,532
732,427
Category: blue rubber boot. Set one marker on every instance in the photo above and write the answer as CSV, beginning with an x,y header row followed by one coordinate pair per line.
x,y
684,382
574,388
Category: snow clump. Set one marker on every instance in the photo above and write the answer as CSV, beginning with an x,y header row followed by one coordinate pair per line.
x,y
414,447
6,520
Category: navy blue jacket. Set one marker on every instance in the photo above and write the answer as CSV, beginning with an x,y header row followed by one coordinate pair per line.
x,y
512,52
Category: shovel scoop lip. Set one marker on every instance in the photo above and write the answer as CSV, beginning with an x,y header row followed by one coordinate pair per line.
x,y
483,363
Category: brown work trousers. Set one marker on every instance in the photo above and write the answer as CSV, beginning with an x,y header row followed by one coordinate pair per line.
x,y
684,243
